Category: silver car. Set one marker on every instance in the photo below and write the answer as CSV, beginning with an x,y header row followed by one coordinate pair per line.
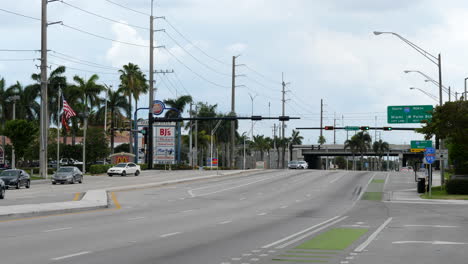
x,y
294,164
67,175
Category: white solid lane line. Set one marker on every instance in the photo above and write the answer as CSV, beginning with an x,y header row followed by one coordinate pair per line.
x,y
72,255
225,222
338,178
373,236
188,211
435,226
260,214
170,234
226,189
57,229
299,233
430,242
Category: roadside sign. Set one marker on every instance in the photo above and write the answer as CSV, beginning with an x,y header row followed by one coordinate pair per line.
x,y
2,156
158,107
417,150
409,114
351,128
421,144
164,138
430,155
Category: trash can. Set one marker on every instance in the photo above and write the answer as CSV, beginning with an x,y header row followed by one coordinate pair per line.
x,y
421,185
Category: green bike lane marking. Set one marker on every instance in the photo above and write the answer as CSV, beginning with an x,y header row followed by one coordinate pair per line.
x,y
374,191
323,247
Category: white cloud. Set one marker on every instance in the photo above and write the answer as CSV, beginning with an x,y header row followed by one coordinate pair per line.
x,y
236,48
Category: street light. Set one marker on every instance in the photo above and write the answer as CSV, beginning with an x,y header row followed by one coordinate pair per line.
x,y
252,98
13,99
437,60
426,93
429,79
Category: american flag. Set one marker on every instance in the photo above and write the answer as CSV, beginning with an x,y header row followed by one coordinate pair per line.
x,y
67,110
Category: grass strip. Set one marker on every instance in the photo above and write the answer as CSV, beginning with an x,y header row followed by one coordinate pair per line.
x,y
303,256
372,196
378,181
334,239
440,193
311,252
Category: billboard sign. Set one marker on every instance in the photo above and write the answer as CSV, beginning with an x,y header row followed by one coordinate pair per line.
x,y
409,114
2,156
165,144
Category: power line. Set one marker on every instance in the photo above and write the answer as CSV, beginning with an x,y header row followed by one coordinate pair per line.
x,y
82,70
18,14
171,84
191,43
127,8
195,58
262,75
102,37
86,64
181,84
166,86
197,74
18,50
103,17
17,59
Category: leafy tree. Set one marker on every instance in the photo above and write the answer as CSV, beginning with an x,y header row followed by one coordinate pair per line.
x,y
21,134
122,148
380,148
450,121
340,162
97,146
360,142
179,103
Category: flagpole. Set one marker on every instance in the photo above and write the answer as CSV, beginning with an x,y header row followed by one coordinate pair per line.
x,y
58,128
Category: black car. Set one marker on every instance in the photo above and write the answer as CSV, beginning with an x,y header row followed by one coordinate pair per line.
x,y
15,178
2,189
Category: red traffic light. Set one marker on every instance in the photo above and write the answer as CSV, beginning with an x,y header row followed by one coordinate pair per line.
x,y
329,128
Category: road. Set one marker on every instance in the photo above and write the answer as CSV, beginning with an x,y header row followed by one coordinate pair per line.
x,y
266,217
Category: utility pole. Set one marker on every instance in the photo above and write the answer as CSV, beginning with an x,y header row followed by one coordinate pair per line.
x,y
252,98
283,100
450,94
232,159
441,144
375,130
196,137
334,130
43,113
321,119
190,138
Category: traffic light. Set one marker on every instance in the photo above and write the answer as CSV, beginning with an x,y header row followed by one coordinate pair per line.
x,y
329,128
144,132
364,128
387,128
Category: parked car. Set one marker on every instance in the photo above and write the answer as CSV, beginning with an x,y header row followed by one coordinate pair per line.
x,y
16,178
294,164
124,169
68,162
2,189
67,175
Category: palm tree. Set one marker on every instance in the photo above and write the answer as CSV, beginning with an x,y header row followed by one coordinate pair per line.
x,y
27,107
56,81
296,139
352,144
259,144
179,103
361,142
89,90
380,148
117,105
133,83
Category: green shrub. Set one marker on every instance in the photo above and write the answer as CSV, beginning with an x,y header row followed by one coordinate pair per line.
x,y
457,187
98,169
143,166
36,170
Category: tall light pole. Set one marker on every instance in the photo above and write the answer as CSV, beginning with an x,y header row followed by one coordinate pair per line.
x,y
43,113
13,99
437,60
465,94
252,98
429,79
433,97
211,148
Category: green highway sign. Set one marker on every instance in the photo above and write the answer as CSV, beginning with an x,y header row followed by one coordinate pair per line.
x,y
409,114
351,128
421,144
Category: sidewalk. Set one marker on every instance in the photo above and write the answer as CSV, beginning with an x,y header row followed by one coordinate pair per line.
x,y
95,199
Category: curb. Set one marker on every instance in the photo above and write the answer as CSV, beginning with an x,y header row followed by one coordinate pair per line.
x,y
92,199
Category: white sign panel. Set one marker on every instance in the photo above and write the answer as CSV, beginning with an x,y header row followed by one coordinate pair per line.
x,y
2,156
165,144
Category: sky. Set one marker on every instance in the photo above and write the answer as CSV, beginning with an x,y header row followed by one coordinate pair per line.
x,y
325,49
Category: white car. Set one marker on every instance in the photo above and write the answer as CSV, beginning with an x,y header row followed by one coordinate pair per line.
x,y
123,169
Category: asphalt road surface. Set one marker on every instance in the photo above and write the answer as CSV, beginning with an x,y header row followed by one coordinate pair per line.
x,y
281,216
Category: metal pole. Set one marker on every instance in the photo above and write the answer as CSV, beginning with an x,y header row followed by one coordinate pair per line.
x,y
58,128
244,154
190,138
105,116
450,94
13,158
196,137
43,114
441,145
151,93
211,152
84,141
233,110
321,119
283,109
334,130
464,96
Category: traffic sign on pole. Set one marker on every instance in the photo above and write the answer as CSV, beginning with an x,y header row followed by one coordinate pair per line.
x,y
409,114
430,155
351,128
